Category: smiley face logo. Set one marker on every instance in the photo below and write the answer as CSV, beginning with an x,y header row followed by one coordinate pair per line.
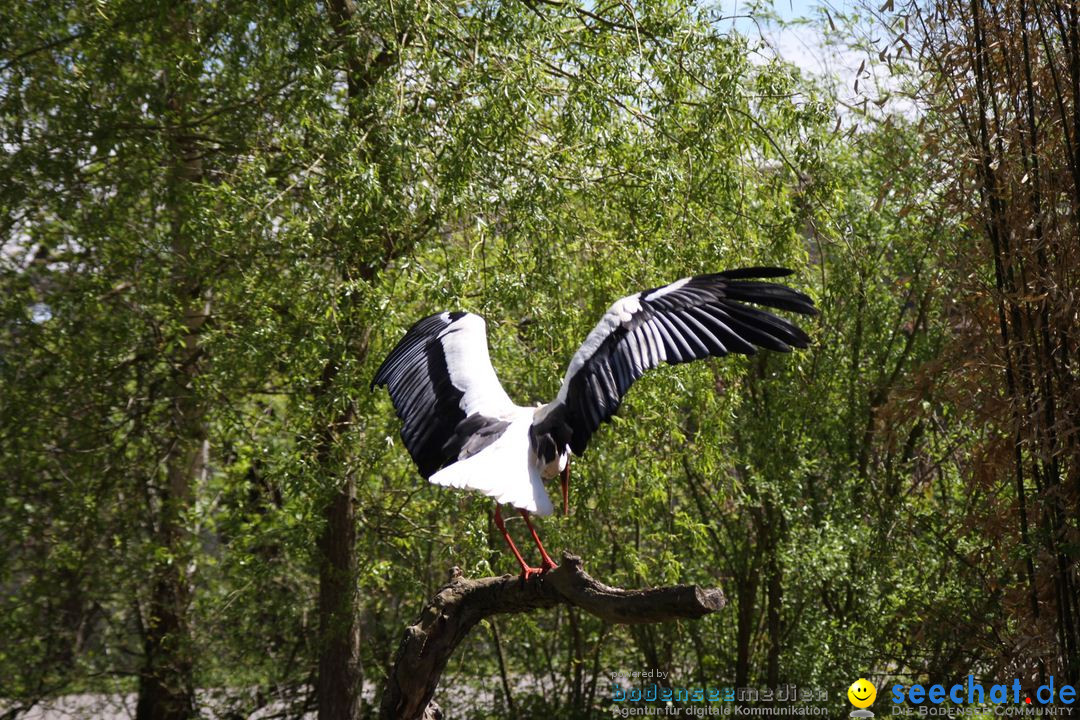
x,y
862,693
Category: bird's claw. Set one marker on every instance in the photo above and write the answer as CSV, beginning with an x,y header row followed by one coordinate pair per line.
x,y
528,573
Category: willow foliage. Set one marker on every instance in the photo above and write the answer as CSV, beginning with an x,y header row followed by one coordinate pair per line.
x,y
217,217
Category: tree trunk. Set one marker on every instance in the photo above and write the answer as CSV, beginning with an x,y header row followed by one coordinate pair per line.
x,y
775,596
166,684
338,686
746,589
339,657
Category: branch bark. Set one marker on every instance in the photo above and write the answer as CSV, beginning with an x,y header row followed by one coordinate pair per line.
x,y
445,621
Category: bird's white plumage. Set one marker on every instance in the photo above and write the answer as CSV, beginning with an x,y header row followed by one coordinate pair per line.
x,y
505,470
468,363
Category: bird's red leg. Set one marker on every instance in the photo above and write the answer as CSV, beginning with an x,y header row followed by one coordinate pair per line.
x,y
546,563
526,571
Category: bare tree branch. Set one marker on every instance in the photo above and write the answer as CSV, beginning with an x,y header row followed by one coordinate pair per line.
x,y
445,621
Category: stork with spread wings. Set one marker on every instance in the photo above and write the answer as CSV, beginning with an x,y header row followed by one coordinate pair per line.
x,y
463,430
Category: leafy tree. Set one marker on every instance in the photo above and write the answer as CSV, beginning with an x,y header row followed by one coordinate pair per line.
x,y
218,217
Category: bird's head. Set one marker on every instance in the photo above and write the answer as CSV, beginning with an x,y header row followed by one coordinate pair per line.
x,y
546,450
553,457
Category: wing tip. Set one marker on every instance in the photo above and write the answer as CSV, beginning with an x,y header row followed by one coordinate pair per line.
x,y
756,271
794,301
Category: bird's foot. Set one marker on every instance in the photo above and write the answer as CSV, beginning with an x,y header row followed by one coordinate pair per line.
x,y
528,573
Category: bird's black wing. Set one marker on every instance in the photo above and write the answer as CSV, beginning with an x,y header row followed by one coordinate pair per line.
x,y
444,390
689,319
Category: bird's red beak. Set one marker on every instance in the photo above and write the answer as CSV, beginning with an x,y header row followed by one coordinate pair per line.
x,y
566,488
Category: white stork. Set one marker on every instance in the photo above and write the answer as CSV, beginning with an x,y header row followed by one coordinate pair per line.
x,y
464,431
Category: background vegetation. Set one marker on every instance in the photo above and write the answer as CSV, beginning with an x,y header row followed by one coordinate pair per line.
x,y
217,217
